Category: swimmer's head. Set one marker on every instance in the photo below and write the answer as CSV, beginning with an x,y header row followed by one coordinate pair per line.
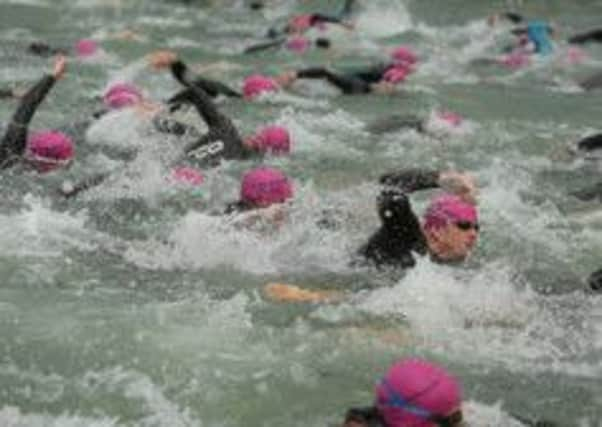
x,y
418,393
85,48
271,139
49,150
257,84
121,95
449,117
265,186
451,227
187,176
298,44
403,55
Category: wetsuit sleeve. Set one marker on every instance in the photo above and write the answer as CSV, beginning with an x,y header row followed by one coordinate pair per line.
x,y
173,127
180,72
265,45
15,139
69,190
411,180
317,18
594,35
6,93
347,84
513,17
44,50
366,417
590,143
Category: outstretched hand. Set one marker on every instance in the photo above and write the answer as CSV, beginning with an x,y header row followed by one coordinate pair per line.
x,y
161,59
60,65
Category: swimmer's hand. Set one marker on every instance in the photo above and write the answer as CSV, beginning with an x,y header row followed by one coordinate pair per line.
x,y
383,87
282,292
286,79
460,184
161,59
60,65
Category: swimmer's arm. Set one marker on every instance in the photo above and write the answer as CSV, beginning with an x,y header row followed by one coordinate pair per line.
x,y
410,180
265,46
319,17
594,35
513,17
593,142
173,127
44,49
181,73
15,138
69,189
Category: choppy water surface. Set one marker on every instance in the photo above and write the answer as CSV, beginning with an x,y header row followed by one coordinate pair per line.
x,y
133,306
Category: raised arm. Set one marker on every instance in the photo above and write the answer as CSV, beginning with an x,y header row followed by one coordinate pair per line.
x,y
14,140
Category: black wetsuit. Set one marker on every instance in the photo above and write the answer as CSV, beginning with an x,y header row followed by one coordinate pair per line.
x,y
213,88
321,42
594,35
44,50
592,82
590,143
396,122
357,82
366,417
314,19
222,141
400,233
6,93
595,280
14,141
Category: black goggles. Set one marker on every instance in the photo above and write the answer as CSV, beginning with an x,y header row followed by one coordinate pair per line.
x,y
467,225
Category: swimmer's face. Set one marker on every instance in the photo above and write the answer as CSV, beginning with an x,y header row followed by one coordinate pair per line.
x,y
454,242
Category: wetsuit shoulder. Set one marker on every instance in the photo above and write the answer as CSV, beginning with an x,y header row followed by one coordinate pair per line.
x,y
410,180
593,142
14,141
399,235
364,417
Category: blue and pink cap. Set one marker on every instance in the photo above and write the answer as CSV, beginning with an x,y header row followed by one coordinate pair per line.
x,y
49,150
446,209
415,392
265,186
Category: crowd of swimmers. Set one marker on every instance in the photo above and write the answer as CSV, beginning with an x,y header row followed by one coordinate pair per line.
x,y
413,392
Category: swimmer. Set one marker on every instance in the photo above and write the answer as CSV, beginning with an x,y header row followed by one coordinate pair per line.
x,y
82,49
432,125
179,70
300,24
297,44
450,224
413,392
381,78
45,150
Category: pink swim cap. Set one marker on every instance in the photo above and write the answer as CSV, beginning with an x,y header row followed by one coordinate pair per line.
x,y
265,186
187,175
257,84
448,208
85,48
395,75
49,150
450,117
415,392
273,139
515,60
300,23
120,95
298,44
404,55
